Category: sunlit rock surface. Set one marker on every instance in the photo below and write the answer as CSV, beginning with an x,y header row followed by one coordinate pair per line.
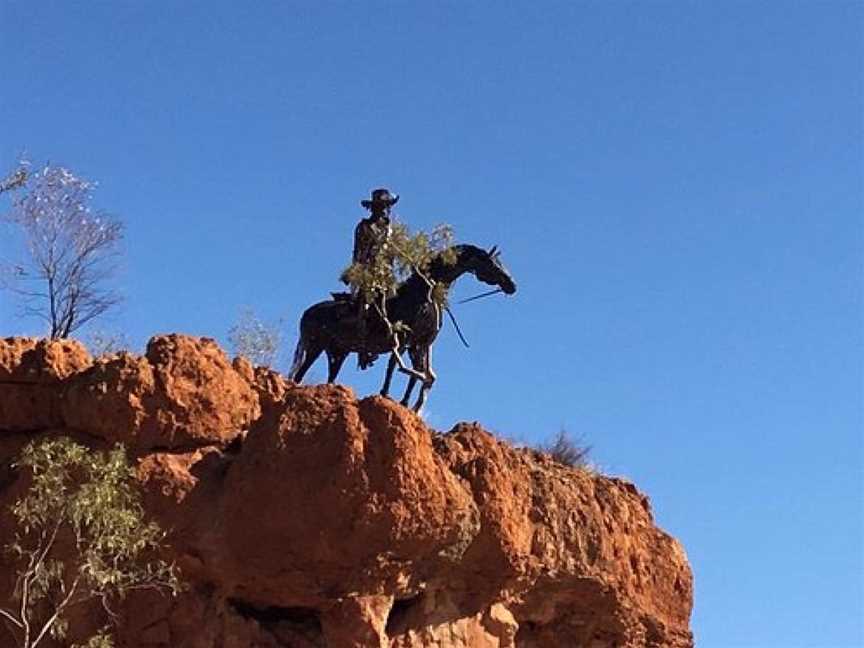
x,y
303,517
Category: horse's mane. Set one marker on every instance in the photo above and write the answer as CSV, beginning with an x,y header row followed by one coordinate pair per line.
x,y
462,250
439,264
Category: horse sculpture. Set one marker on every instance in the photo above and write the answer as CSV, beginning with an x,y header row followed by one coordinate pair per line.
x,y
332,326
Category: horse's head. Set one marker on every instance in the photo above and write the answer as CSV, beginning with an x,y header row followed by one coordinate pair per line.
x,y
487,267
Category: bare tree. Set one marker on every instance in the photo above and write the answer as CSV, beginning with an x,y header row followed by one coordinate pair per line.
x,y
14,180
71,249
255,340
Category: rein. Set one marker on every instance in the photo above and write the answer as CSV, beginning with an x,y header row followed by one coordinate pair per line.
x,y
486,294
458,330
465,301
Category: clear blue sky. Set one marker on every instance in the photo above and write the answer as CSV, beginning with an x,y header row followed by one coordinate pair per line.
x,y
676,187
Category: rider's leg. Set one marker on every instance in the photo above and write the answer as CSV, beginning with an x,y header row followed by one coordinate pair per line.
x,y
364,357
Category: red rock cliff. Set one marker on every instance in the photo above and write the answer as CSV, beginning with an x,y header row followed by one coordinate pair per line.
x,y
303,517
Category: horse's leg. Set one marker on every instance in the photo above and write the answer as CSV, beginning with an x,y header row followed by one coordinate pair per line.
x,y
411,382
430,379
397,350
310,355
388,377
334,364
417,365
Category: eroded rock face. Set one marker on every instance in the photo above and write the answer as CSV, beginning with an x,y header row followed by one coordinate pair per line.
x,y
182,393
303,517
354,488
30,372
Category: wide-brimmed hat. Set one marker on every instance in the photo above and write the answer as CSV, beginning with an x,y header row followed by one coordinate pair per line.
x,y
380,197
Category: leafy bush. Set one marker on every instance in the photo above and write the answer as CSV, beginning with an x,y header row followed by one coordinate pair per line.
x,y
81,536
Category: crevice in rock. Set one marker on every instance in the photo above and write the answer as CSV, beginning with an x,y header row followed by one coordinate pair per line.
x,y
232,447
397,619
277,614
236,444
179,449
283,622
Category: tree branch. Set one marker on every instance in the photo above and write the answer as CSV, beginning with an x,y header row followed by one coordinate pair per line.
x,y
9,617
57,612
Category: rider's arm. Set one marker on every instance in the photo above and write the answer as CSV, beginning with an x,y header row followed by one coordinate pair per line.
x,y
359,242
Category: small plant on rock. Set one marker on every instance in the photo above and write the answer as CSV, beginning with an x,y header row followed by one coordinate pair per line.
x,y
255,340
566,450
102,343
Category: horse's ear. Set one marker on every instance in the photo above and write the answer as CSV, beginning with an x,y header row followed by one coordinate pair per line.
x,y
493,250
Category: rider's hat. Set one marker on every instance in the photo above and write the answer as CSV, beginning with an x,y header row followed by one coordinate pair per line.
x,y
380,197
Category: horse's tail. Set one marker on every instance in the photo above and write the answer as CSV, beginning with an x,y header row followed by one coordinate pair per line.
x,y
299,357
314,337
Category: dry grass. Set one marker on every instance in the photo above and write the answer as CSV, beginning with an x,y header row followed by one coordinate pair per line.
x,y
567,450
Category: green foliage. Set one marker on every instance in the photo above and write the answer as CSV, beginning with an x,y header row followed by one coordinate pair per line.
x,y
255,340
402,254
101,639
86,503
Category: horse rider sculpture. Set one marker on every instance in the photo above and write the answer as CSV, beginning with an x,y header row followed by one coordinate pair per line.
x,y
386,313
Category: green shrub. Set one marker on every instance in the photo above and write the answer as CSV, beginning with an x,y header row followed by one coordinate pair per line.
x,y
81,536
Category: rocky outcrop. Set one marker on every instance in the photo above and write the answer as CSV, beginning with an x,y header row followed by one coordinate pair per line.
x,y
303,517
182,393
31,373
